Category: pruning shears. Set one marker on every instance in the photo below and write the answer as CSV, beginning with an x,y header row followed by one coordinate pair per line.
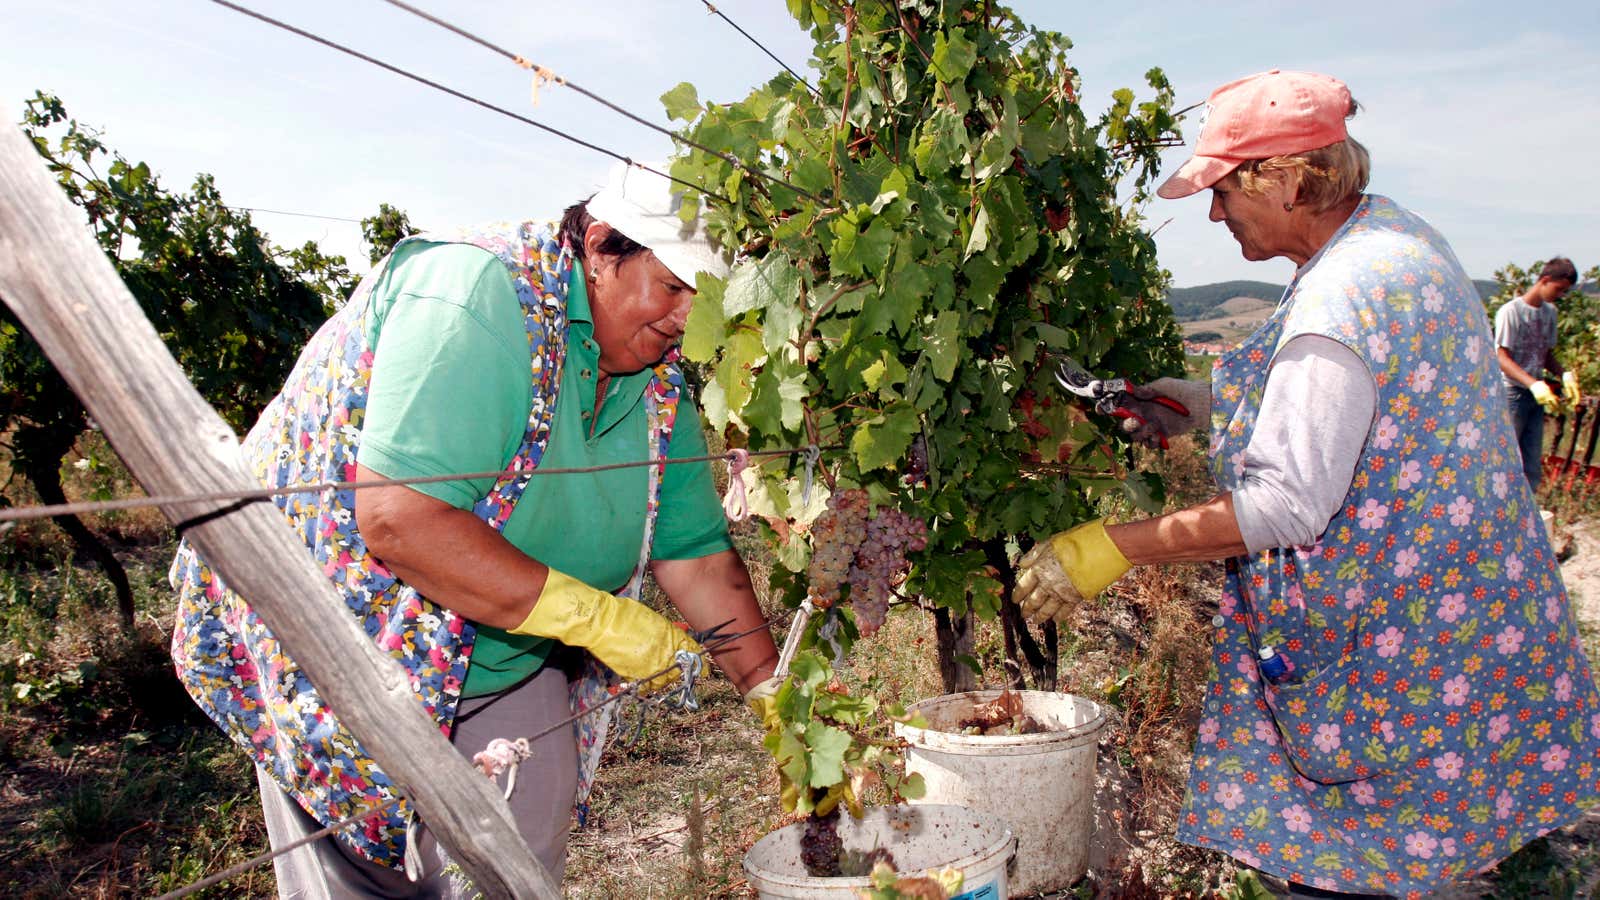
x,y
714,634
1110,395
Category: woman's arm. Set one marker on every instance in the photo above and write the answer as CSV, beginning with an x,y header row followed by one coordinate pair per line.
x,y
449,555
712,589
1317,408
1201,533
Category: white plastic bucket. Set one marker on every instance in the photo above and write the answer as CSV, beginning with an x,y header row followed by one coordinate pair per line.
x,y
1042,785
922,837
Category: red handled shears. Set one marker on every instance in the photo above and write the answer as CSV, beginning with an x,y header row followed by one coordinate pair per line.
x,y
1110,395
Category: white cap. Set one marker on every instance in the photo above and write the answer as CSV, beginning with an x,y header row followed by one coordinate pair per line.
x,y
644,206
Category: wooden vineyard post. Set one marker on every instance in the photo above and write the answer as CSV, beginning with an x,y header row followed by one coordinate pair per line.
x,y
56,279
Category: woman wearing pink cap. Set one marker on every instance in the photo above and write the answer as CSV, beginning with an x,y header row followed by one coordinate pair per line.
x,y
450,359
1400,696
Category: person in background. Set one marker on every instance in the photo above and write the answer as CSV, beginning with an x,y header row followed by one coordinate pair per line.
x,y
1525,343
1400,695
503,349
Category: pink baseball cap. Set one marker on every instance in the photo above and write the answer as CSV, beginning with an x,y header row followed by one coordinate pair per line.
x,y
1271,114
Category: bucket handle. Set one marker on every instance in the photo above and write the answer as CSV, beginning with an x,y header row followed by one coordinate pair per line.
x,y
1011,858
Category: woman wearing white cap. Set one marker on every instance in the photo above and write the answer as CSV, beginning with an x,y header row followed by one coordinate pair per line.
x,y
538,344
1400,696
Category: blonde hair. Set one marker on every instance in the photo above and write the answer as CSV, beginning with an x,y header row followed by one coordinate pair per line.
x,y
1328,175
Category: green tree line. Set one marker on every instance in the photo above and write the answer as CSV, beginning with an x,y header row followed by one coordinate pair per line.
x,y
233,308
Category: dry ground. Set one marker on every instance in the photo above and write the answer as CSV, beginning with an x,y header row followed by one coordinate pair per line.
x,y
647,842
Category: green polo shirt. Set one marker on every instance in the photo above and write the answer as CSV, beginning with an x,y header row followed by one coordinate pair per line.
x,y
450,393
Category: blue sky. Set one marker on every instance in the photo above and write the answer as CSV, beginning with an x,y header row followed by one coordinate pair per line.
x,y
1482,116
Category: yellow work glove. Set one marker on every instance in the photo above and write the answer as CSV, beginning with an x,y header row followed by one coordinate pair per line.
x,y
1058,575
763,701
1545,397
631,638
1570,389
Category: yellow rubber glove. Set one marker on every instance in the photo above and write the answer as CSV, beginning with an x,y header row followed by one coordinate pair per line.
x,y
631,638
1056,576
1570,389
1545,397
763,701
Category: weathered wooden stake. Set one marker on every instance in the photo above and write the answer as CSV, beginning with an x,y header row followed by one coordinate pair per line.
x,y
59,283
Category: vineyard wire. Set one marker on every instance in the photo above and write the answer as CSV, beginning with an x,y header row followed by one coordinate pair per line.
x,y
334,45
284,212
543,73
24,513
774,57
628,689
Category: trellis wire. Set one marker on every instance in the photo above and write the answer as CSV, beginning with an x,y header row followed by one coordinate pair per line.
x,y
23,513
773,56
302,215
541,71
334,45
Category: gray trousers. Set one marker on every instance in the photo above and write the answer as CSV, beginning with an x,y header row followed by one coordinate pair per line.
x,y
541,805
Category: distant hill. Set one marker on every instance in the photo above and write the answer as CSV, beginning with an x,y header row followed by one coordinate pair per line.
x,y
1210,301
1192,304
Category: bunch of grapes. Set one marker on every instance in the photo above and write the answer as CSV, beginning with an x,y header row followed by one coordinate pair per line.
x,y
869,554
834,536
917,463
820,845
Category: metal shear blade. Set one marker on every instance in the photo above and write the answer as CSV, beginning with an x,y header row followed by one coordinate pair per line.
x,y
1075,378
1080,381
714,633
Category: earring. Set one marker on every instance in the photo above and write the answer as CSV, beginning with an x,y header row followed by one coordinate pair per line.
x,y
1288,207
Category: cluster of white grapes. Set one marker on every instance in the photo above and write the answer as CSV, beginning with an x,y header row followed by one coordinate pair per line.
x,y
867,553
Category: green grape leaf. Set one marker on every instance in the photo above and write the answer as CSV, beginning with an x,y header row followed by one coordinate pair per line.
x,y
706,327
953,55
884,441
941,142
828,745
761,283
978,239
782,325
682,102
941,346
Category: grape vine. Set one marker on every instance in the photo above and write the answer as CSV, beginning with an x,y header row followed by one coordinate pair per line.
x,y
961,223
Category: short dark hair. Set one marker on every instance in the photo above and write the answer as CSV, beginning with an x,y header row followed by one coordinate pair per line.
x,y
1560,269
575,224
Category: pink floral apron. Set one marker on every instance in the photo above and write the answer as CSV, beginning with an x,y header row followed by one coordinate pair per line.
x,y
1440,712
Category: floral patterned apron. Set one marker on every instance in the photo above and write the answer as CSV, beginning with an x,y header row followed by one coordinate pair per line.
x,y
229,660
1440,712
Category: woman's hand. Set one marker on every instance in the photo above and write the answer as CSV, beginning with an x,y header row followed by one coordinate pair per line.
x,y
1056,576
1151,423
631,638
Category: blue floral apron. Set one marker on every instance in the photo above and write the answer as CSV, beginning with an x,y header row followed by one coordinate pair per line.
x,y
229,660
1440,712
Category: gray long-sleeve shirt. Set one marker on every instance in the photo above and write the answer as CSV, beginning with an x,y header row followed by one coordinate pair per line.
x,y
1316,411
